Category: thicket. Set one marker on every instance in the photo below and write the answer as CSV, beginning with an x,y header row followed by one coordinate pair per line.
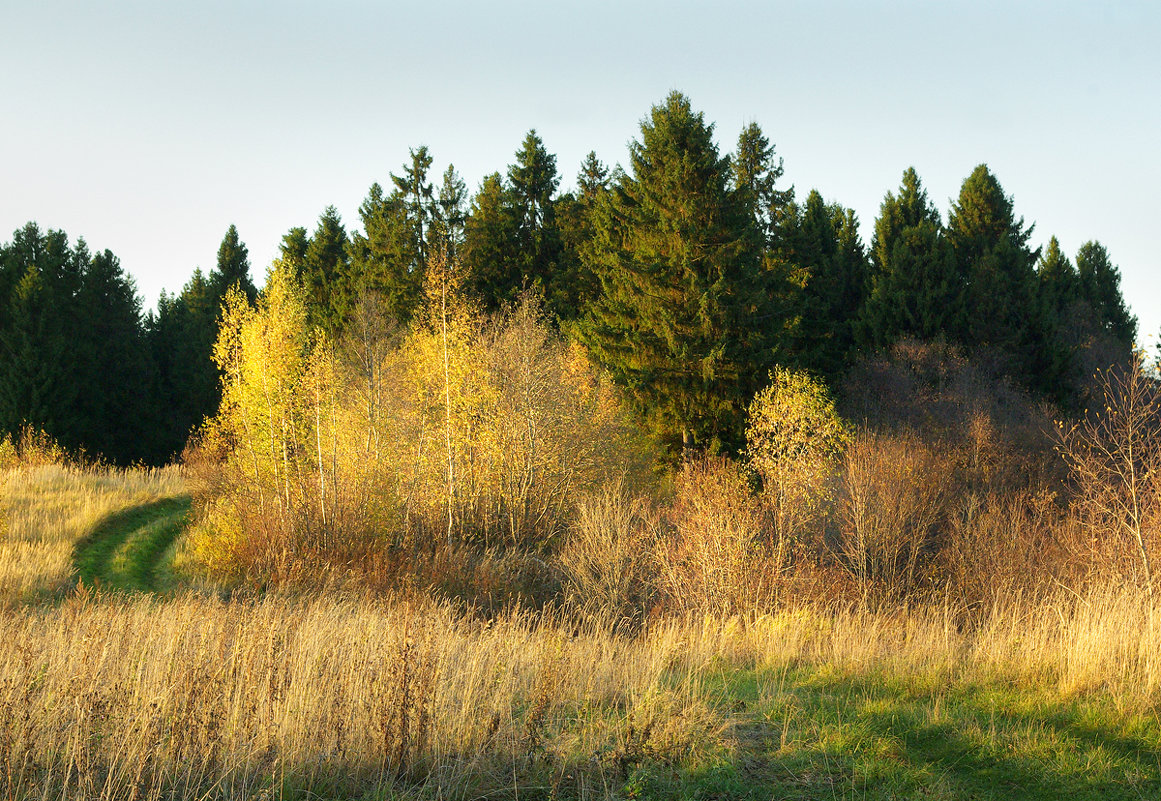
x,y
675,387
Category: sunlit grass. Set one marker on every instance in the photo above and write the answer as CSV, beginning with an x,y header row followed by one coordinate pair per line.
x,y
45,510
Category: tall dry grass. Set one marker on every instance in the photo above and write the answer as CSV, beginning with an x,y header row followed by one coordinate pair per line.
x,y
45,509
197,698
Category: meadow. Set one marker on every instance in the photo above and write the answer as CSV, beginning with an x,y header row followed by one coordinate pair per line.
x,y
125,679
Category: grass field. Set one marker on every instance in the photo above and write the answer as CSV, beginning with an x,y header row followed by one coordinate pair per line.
x,y
117,691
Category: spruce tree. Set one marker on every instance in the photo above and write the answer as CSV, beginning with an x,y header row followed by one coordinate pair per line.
x,y
533,182
325,274
233,267
991,250
916,289
677,322
490,257
1100,286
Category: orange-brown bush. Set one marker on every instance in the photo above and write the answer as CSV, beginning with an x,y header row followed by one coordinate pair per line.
x,y
1114,456
894,494
717,557
609,561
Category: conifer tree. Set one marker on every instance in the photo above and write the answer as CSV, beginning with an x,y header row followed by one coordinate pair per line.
x,y
673,250
233,269
1100,286
490,259
326,275
991,250
915,287
829,255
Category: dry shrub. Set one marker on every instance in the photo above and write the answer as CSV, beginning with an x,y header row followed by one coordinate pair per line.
x,y
1114,457
608,558
894,493
1005,546
716,558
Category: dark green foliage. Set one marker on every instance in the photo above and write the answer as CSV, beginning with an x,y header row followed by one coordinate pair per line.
x,y
489,252
73,357
574,214
451,214
824,266
383,256
326,274
233,268
513,241
181,337
755,174
682,286
1100,287
916,290
991,251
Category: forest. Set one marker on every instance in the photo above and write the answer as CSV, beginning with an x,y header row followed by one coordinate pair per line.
x,y
673,484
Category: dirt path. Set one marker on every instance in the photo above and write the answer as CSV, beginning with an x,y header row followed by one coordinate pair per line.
x,y
129,550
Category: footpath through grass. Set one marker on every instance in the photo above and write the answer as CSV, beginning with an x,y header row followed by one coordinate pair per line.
x,y
131,550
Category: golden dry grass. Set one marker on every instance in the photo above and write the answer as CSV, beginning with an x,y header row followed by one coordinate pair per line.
x,y
196,697
45,509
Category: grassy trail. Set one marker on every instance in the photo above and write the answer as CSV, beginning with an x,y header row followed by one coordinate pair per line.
x,y
130,550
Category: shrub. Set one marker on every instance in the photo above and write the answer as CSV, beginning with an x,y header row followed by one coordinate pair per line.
x,y
716,557
1114,457
608,559
794,437
894,492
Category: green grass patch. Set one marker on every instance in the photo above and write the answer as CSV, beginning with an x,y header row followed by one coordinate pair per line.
x,y
132,550
815,733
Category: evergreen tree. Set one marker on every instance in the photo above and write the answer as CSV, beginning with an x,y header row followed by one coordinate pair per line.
x,y
490,256
451,214
384,256
233,268
682,285
576,221
115,371
829,255
533,181
755,173
915,287
1100,286
991,250
325,273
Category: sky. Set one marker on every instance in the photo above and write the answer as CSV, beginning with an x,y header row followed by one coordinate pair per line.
x,y
149,127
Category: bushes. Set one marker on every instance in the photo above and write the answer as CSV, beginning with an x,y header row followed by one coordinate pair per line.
x,y
474,431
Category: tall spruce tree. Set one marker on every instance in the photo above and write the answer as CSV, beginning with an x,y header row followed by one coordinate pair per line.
x,y
490,257
991,250
829,256
916,289
323,267
677,322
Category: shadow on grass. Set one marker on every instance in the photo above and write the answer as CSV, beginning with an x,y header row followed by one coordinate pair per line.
x,y
862,737
126,550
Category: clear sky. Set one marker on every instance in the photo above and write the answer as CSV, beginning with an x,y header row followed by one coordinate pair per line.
x,y
150,127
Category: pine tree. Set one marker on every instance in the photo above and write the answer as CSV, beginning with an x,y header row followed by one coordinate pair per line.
x,y
682,286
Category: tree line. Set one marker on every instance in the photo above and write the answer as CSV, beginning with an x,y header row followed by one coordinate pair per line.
x,y
687,274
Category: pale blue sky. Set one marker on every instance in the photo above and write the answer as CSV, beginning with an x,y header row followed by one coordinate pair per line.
x,y
149,127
